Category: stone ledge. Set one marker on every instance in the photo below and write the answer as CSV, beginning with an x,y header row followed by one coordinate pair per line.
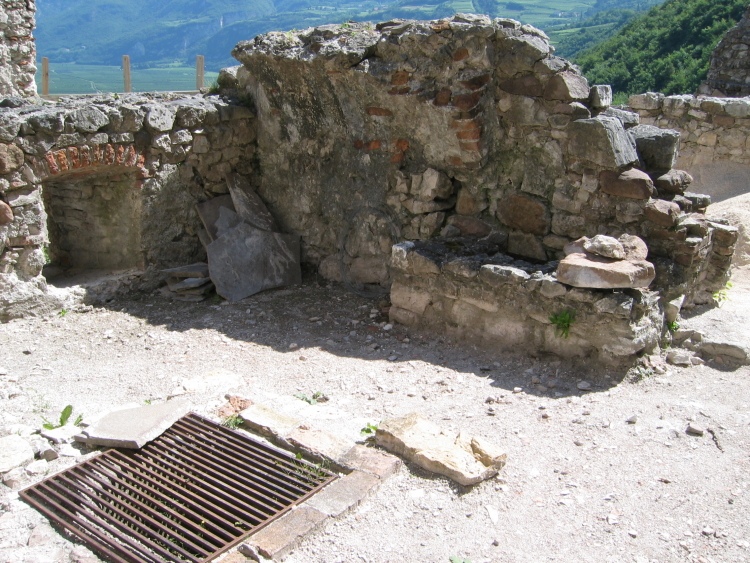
x,y
281,536
344,494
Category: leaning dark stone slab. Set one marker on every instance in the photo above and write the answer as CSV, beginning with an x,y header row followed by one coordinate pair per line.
x,y
197,270
209,210
227,221
245,261
248,204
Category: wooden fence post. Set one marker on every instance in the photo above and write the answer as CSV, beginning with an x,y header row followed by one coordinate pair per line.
x,y
45,76
200,71
126,73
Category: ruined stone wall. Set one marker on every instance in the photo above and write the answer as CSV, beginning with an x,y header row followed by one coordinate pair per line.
x,y
17,48
712,130
111,183
729,70
462,126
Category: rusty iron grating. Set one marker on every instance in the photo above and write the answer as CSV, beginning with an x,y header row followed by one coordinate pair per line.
x,y
189,495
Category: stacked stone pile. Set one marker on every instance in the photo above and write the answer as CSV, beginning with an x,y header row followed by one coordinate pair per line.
x,y
188,283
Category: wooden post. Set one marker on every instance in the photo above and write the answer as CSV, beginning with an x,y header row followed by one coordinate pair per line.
x,y
45,76
126,73
200,71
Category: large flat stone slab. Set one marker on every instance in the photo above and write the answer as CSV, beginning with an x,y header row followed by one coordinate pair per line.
x,y
246,260
467,461
581,270
209,210
134,427
197,270
248,204
14,452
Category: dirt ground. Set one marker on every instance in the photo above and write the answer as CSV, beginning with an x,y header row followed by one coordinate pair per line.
x,y
608,474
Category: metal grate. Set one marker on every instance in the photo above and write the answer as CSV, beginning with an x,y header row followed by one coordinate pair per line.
x,y
189,495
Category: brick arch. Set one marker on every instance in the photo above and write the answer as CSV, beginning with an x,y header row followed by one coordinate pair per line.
x,y
92,158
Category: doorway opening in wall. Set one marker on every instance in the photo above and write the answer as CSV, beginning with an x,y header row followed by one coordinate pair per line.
x,y
93,227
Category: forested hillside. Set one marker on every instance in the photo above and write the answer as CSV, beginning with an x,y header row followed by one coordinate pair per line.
x,y
668,49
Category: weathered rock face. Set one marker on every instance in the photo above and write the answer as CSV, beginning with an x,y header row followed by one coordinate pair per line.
x,y
17,48
729,70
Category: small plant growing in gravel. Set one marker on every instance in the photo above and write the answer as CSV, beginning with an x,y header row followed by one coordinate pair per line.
x,y
369,432
316,398
720,297
673,326
65,415
62,312
234,421
562,321
457,559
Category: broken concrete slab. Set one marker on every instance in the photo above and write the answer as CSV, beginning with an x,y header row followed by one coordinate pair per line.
x,y
344,494
371,460
582,270
197,270
268,422
467,461
61,434
14,452
208,211
134,427
246,260
317,443
248,204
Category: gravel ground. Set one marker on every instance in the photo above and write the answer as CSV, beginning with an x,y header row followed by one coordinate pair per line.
x,y
607,474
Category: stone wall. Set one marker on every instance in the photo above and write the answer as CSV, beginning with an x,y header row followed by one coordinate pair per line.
x,y
17,48
111,183
729,70
460,127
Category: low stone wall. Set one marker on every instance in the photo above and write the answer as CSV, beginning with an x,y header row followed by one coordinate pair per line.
x,y
111,183
712,130
473,292
17,48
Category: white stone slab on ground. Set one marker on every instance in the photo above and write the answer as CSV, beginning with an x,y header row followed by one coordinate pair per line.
x,y
133,428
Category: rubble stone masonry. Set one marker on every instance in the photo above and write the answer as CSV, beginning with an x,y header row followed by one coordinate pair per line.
x,y
17,48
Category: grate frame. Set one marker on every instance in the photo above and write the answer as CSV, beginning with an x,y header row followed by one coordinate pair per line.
x,y
191,494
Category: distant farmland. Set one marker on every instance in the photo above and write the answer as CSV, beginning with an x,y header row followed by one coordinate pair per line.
x,y
71,78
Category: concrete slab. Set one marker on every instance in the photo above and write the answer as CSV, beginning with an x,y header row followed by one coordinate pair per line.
x,y
371,460
317,443
276,540
133,428
268,422
344,494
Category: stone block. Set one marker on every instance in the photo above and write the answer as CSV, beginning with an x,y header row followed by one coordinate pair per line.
x,y
409,298
497,276
89,119
600,96
602,245
470,226
246,260
14,452
317,443
160,118
276,540
197,270
344,494
656,147
431,185
526,245
467,461
662,213
627,118
371,460
647,101
580,270
567,86
603,141
635,248
134,427
674,181
6,214
524,214
268,422
11,158
632,184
